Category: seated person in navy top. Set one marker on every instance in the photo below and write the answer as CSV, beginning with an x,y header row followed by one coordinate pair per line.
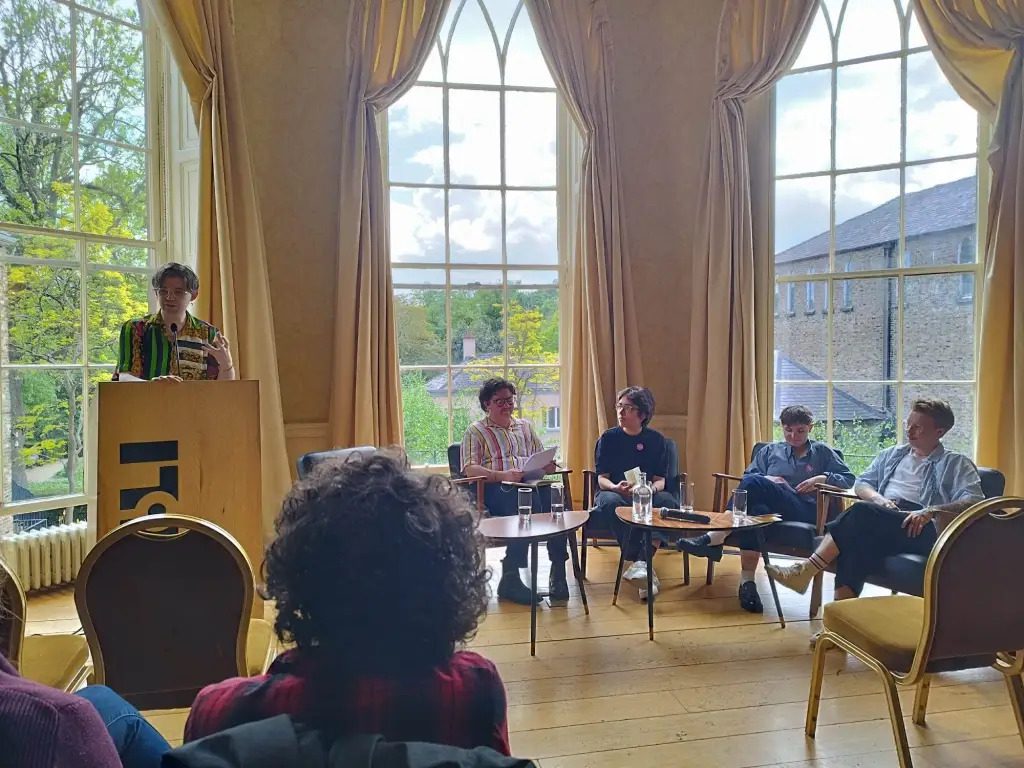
x,y
780,480
631,444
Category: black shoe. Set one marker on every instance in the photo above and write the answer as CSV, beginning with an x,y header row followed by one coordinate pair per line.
x,y
558,590
749,599
701,547
511,588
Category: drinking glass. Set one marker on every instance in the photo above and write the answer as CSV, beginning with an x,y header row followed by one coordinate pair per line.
x,y
525,505
557,501
739,502
686,492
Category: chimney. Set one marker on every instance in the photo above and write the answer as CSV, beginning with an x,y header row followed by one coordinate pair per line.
x,y
468,347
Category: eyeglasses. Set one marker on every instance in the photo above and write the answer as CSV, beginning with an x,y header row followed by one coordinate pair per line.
x,y
625,408
175,293
504,400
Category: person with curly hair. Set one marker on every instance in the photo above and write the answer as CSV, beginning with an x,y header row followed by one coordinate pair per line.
x,y
379,577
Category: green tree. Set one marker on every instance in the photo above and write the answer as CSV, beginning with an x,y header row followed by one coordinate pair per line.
x,y
40,173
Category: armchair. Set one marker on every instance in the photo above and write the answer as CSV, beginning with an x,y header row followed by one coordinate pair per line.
x,y
788,537
595,531
455,471
904,572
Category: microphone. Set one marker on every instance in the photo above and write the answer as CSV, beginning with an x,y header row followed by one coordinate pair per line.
x,y
177,358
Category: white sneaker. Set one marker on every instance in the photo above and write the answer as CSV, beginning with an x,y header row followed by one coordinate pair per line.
x,y
637,571
655,584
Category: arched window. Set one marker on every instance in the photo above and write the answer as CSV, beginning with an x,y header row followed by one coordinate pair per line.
x,y
474,165
78,231
875,186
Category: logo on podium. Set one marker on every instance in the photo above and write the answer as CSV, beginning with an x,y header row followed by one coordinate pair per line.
x,y
156,499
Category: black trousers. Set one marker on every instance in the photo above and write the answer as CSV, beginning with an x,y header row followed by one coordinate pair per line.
x,y
766,497
866,534
632,546
503,501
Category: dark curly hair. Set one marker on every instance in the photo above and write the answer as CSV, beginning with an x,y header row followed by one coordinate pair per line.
x,y
642,399
491,387
375,567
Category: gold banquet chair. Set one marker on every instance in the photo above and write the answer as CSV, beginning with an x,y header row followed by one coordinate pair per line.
x,y
965,620
166,602
59,661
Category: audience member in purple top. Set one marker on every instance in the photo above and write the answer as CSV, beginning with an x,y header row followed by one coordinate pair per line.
x,y
41,727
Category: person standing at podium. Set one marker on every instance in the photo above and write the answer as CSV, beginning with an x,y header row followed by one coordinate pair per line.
x,y
173,344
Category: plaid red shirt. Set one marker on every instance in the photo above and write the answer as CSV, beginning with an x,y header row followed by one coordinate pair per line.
x,y
461,704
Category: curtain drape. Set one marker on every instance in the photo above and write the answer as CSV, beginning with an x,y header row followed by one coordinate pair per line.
x,y
979,45
603,352
758,40
234,284
389,40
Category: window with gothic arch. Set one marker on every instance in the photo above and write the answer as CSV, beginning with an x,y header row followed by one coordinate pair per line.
x,y
475,171
875,193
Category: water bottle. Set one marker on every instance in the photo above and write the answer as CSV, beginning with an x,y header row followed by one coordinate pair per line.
x,y
642,500
525,506
557,502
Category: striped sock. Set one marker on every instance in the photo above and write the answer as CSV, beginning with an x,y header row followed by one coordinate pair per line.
x,y
817,562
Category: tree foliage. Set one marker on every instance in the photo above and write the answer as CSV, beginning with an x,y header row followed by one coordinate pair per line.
x,y
51,61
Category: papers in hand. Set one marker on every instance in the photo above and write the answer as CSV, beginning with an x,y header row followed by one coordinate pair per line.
x,y
534,467
633,476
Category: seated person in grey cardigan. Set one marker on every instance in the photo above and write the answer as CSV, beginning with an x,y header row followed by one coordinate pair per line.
x,y
780,480
910,492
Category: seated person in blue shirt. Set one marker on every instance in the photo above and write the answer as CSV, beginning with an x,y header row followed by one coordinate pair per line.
x,y
630,445
910,492
780,480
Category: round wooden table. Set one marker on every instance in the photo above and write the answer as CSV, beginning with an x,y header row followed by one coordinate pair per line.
x,y
720,521
541,528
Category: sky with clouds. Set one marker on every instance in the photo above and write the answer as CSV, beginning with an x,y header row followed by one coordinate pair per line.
x,y
867,133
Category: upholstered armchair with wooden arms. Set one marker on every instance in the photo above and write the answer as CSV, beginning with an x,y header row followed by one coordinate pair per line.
x,y
961,622
789,537
455,471
594,531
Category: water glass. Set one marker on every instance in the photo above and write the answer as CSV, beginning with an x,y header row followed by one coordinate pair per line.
x,y
686,492
557,501
739,503
525,505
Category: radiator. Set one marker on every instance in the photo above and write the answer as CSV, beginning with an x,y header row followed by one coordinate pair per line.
x,y
46,557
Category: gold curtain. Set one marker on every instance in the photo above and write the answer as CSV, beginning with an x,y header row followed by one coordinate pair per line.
x,y
603,353
389,40
234,286
758,40
979,45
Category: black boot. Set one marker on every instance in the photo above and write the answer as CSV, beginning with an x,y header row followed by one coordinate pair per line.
x,y
558,594
511,587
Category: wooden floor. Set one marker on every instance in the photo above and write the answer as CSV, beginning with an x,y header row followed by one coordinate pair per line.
x,y
718,687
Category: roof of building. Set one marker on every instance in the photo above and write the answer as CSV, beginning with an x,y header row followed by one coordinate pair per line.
x,y
943,207
470,379
845,407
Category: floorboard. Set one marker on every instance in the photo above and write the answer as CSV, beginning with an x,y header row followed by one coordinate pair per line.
x,y
717,687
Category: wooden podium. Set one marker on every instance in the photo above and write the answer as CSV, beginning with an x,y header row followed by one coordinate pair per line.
x,y
189,448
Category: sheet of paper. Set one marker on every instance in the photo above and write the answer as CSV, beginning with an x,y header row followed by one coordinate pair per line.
x,y
534,467
633,476
128,377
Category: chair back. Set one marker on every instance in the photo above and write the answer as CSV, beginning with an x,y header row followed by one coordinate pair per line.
x,y
165,601
13,607
455,461
307,462
970,609
993,482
